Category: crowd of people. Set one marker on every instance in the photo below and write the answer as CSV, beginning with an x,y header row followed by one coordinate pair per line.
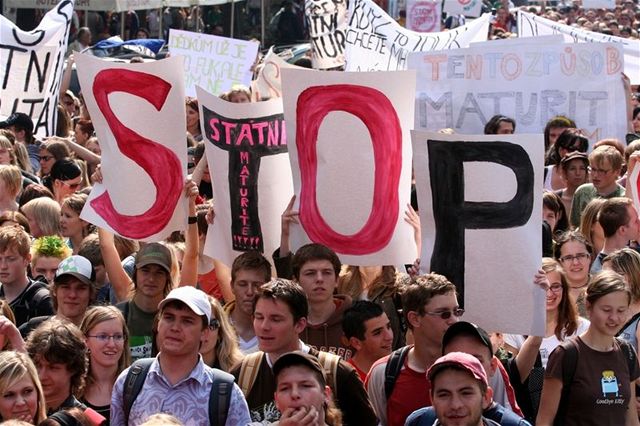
x,y
97,329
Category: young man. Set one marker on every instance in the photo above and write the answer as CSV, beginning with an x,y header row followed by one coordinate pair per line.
x,y
470,339
316,268
72,292
430,306
606,163
90,248
249,272
46,254
27,298
619,221
280,316
369,331
58,350
178,381
459,391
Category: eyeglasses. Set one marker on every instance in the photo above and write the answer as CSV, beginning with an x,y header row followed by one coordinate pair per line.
x,y
214,324
599,171
579,257
45,157
458,312
104,338
556,288
73,186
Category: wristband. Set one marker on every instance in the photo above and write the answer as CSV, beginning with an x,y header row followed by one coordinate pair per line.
x,y
192,220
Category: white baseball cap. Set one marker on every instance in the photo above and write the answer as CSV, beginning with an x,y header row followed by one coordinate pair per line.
x,y
195,299
77,266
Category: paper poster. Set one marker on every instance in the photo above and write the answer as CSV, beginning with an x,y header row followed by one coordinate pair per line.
x,y
268,83
375,42
480,204
635,187
138,112
530,25
528,80
424,15
351,162
103,5
212,62
327,22
598,4
470,8
246,147
31,67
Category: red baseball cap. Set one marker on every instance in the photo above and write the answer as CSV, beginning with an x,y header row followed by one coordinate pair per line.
x,y
459,360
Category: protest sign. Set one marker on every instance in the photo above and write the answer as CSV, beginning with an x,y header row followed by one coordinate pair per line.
x,y
138,112
530,25
31,67
480,204
211,62
462,7
103,5
529,80
375,42
246,147
327,22
351,162
635,187
268,83
424,15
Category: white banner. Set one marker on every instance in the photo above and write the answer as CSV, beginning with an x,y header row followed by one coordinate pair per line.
x,y
138,112
268,83
351,162
463,7
528,80
31,67
530,25
375,42
104,5
480,204
327,22
211,62
246,146
424,15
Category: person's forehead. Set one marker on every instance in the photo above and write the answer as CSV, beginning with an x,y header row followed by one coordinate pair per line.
x,y
443,380
70,280
178,308
442,300
317,264
269,306
11,250
376,322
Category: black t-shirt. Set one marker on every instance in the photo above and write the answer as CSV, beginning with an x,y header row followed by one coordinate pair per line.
x,y
34,301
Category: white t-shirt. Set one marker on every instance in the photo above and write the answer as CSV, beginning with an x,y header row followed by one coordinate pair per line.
x,y
548,343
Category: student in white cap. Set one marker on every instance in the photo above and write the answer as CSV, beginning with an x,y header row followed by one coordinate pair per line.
x,y
177,380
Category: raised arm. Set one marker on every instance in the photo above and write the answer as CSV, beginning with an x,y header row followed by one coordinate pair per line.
x,y
118,277
189,271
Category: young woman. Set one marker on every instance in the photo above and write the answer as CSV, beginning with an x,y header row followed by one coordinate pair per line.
x,y
50,152
570,140
626,262
21,396
553,211
43,215
8,157
601,391
193,119
590,227
107,338
220,347
575,254
10,187
65,179
71,226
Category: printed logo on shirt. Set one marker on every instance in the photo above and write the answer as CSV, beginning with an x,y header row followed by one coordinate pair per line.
x,y
140,347
267,413
610,390
343,353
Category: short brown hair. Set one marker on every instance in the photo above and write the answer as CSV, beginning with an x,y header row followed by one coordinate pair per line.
x,y
421,290
614,214
15,237
289,292
251,260
608,153
314,251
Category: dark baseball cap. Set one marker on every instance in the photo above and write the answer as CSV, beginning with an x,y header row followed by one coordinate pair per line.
x,y
464,328
154,254
575,155
291,359
18,119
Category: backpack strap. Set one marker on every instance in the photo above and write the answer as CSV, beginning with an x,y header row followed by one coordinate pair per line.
x,y
329,363
629,354
628,323
136,376
392,370
569,364
220,397
249,371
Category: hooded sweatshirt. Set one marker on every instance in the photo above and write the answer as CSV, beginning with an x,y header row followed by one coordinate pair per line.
x,y
328,336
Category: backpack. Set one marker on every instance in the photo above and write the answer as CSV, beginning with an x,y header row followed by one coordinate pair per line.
x,y
251,364
34,295
392,369
569,364
219,398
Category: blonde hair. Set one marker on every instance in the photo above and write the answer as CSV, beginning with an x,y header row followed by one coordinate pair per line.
x,y
6,144
12,179
626,261
15,366
589,217
46,212
227,350
6,311
92,318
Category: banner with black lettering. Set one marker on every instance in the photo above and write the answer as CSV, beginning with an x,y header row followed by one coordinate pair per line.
x,y
246,148
530,80
138,112
376,42
480,204
351,162
31,67
327,22
530,25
